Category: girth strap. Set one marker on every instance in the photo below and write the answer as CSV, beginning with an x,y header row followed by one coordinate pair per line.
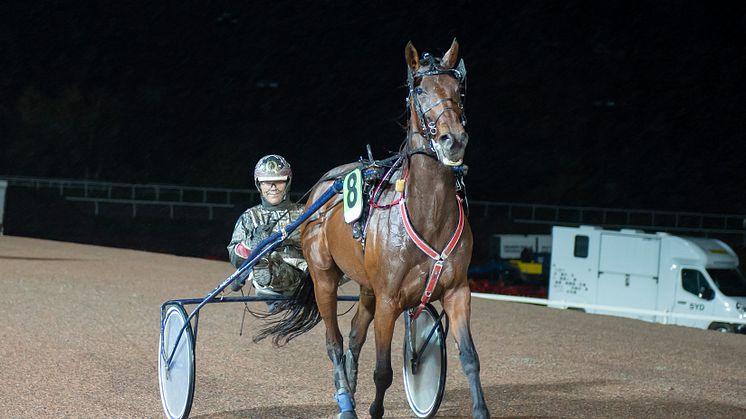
x,y
439,258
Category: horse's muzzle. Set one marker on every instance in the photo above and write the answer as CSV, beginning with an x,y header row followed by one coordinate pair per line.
x,y
451,148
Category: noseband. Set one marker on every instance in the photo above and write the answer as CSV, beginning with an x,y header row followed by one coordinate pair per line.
x,y
428,128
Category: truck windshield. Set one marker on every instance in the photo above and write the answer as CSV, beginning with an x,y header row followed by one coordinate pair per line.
x,y
730,281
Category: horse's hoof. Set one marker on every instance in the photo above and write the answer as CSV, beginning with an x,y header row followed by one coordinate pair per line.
x,y
346,415
481,414
375,413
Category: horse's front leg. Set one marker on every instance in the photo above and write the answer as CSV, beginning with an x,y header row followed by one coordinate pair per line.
x,y
383,375
358,333
326,299
457,304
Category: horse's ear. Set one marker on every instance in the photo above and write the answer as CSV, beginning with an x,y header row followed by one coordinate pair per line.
x,y
450,57
411,56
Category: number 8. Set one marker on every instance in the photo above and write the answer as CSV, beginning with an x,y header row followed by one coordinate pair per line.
x,y
352,190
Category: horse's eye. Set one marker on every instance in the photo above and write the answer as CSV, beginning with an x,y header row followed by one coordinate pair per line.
x,y
419,90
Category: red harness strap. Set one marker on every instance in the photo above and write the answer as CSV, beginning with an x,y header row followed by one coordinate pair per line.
x,y
439,258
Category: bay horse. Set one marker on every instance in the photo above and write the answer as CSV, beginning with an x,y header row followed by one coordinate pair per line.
x,y
397,261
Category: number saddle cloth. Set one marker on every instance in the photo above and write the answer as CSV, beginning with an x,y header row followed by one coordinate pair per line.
x,y
363,186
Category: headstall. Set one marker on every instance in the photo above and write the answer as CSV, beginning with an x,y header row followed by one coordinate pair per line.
x,y
428,127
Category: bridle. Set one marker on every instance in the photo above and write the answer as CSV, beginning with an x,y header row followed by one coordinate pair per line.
x,y
428,127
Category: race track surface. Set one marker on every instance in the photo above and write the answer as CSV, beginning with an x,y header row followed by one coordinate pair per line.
x,y
79,336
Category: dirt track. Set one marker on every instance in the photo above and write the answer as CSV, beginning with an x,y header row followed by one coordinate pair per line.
x,y
79,336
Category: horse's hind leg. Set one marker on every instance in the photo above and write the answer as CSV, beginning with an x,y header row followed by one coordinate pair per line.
x,y
358,333
325,288
383,375
457,303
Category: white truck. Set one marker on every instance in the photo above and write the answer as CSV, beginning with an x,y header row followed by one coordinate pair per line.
x,y
653,277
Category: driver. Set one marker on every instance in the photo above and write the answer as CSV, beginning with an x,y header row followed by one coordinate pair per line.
x,y
280,271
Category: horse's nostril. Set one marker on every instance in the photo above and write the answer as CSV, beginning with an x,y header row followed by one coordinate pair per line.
x,y
446,140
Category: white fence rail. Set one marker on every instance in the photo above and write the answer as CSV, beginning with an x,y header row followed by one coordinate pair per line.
x,y
666,317
99,193
150,192
103,194
134,203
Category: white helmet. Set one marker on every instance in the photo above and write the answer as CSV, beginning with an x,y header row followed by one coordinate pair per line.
x,y
272,167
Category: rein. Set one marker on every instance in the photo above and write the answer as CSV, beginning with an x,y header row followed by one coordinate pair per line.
x,y
421,150
427,151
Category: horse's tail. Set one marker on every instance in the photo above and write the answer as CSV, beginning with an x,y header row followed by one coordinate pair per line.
x,y
297,315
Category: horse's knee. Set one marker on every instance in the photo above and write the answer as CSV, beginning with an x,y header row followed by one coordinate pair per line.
x,y
354,341
383,377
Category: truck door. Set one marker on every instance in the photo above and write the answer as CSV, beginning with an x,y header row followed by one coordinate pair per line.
x,y
635,293
628,275
694,298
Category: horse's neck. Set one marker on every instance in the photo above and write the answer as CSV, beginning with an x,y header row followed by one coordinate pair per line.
x,y
430,181
431,196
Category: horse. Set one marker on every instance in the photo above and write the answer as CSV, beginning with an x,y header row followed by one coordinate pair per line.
x,y
392,269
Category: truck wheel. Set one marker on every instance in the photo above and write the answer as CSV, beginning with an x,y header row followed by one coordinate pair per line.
x,y
722,327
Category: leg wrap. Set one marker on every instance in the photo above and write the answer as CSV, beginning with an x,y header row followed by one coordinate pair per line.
x,y
344,400
351,370
341,384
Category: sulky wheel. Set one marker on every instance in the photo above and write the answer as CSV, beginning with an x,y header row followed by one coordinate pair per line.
x,y
176,382
424,371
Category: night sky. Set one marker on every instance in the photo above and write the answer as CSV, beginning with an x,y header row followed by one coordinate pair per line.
x,y
621,104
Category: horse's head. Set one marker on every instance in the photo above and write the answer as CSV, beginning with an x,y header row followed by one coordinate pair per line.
x,y
435,102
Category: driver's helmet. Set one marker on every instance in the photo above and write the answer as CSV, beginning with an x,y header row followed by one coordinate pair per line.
x,y
272,167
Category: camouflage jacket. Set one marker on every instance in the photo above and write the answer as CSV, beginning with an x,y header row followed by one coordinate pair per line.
x,y
257,223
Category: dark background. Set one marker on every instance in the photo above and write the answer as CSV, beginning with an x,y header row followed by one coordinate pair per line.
x,y
621,104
